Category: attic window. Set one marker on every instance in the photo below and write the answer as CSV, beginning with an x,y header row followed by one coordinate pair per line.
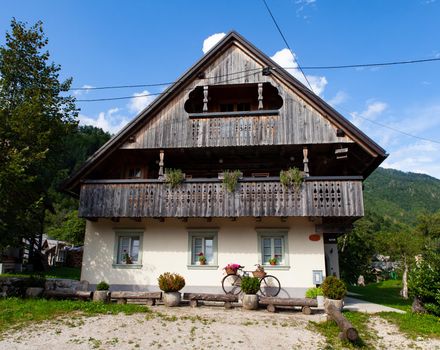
x,y
233,98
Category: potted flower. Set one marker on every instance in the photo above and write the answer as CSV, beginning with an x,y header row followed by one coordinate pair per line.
x,y
101,294
316,293
259,271
171,284
334,291
126,258
202,258
250,286
273,261
231,269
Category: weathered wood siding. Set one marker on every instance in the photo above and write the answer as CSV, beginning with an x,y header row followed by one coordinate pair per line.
x,y
297,122
210,199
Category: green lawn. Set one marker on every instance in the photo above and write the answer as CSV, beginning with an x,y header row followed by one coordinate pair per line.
x,y
73,273
15,312
387,293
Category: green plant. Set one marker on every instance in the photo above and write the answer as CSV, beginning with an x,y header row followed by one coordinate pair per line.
x,y
230,179
174,177
171,282
314,292
250,285
333,288
291,177
202,258
273,261
102,286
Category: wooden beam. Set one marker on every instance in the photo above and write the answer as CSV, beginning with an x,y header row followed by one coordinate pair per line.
x,y
347,329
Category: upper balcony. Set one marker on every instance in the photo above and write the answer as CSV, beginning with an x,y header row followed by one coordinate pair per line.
x,y
257,197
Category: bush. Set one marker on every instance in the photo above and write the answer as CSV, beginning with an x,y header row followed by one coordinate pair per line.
x,y
334,288
250,285
292,177
424,282
102,286
313,292
230,179
174,177
171,282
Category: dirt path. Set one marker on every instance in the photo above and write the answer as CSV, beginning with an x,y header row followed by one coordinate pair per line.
x,y
178,328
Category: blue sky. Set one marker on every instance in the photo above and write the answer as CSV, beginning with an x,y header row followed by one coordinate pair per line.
x,y
101,43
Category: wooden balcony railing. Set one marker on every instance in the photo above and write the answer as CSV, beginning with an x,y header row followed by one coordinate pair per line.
x,y
318,196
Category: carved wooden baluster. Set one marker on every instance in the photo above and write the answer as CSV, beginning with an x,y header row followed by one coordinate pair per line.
x,y
260,95
161,163
205,99
306,161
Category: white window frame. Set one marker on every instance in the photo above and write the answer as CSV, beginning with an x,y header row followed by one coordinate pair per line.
x,y
274,233
202,233
130,234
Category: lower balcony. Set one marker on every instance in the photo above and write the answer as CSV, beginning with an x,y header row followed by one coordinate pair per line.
x,y
257,197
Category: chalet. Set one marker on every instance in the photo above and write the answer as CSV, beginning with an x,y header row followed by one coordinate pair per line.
x,y
235,109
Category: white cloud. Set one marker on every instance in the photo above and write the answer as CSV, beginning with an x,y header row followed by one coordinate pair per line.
x,y
285,58
85,91
140,101
372,111
109,121
339,98
210,41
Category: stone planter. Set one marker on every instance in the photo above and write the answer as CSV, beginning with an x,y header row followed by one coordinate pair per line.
x,y
171,299
320,300
250,302
339,304
101,296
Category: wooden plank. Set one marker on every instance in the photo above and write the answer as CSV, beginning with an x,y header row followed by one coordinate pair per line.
x,y
210,297
288,301
135,295
67,294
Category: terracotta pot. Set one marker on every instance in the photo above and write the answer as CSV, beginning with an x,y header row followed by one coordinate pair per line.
x,y
250,302
171,299
339,304
202,262
273,263
101,296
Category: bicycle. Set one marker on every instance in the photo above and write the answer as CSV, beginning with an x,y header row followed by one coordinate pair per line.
x,y
269,285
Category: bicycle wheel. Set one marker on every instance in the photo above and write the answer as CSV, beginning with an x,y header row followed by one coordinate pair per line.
x,y
231,284
270,286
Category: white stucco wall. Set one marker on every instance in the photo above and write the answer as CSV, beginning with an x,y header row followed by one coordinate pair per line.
x,y
165,249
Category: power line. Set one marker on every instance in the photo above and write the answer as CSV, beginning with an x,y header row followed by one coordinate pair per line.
x,y
287,44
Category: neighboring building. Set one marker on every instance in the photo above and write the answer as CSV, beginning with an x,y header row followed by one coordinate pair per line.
x,y
234,109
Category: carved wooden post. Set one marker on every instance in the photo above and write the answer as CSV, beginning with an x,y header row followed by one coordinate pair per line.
x,y
161,163
306,161
205,99
260,95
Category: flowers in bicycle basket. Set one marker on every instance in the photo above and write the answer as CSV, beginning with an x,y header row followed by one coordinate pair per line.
x,y
259,271
202,258
231,269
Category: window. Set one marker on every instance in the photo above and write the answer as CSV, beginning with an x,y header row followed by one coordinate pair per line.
x,y
134,173
273,244
128,248
203,242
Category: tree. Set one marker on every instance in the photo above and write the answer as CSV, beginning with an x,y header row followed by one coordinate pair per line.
x,y
35,118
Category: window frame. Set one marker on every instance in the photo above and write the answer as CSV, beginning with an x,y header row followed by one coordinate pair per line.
x,y
127,233
274,233
203,233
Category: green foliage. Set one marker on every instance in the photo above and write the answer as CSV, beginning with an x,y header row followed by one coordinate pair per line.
x,y
333,288
35,117
250,285
230,179
19,312
102,286
174,177
71,229
171,282
73,273
424,282
414,325
292,177
314,292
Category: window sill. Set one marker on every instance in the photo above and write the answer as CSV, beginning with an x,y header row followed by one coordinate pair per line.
x,y
126,266
261,112
202,267
276,267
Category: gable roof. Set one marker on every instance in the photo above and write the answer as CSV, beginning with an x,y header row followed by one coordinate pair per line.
x,y
231,38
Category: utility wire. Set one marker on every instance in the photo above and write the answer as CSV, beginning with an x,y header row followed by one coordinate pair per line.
x,y
287,44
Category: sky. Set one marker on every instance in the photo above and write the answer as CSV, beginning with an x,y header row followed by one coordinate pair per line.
x,y
107,43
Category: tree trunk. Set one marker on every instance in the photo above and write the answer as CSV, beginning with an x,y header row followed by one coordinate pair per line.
x,y
404,291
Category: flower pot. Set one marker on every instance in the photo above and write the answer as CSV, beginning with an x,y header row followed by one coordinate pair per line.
x,y
339,304
320,300
250,302
273,263
171,299
202,262
101,296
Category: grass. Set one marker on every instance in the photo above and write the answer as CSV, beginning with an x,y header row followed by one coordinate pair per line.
x,y
15,312
387,293
73,273
330,331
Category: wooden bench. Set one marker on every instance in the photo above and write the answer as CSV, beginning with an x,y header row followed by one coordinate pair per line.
x,y
305,303
149,297
67,294
194,298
